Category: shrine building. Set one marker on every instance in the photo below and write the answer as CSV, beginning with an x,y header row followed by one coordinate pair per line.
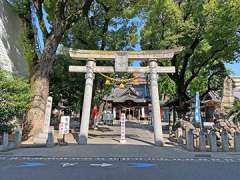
x,y
133,99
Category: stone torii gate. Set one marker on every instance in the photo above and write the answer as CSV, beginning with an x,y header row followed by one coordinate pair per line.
x,y
121,65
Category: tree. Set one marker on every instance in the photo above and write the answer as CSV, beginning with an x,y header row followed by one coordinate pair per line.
x,y
56,28
207,30
62,15
15,99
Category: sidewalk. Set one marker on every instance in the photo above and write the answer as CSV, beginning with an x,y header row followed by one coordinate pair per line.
x,y
104,142
116,151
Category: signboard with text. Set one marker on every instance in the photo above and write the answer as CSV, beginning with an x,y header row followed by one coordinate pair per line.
x,y
48,114
123,128
121,62
64,125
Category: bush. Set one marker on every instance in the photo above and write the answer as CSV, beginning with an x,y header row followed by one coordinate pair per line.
x,y
15,99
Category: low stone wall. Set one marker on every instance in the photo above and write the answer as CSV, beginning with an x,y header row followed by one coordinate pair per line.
x,y
201,141
11,143
14,141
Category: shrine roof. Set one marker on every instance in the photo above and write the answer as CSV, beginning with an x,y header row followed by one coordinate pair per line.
x,y
138,94
211,96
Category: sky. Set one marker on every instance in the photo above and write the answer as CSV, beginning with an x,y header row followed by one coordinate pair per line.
x,y
234,68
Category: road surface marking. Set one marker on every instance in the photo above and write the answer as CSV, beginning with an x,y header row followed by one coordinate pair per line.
x,y
101,165
31,164
141,165
68,164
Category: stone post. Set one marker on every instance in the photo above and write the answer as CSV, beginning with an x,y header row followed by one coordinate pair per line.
x,y
202,141
5,140
212,141
180,135
143,112
224,137
83,136
48,114
42,137
170,123
237,141
189,140
114,113
17,137
157,124
50,139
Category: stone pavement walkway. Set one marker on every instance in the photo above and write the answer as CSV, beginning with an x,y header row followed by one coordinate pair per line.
x,y
136,134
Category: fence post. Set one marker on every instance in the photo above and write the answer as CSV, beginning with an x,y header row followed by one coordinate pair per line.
x,y
237,141
50,139
189,140
202,141
17,137
5,140
224,138
213,141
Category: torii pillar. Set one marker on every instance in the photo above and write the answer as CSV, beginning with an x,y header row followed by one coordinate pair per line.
x,y
156,115
89,76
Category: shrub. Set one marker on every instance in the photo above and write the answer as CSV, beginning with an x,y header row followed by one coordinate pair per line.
x,y
15,99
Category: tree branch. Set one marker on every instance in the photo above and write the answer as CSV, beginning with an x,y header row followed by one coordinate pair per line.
x,y
106,23
74,17
38,5
187,55
59,17
195,73
173,63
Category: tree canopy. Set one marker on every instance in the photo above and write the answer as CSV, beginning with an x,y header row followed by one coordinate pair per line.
x,y
207,30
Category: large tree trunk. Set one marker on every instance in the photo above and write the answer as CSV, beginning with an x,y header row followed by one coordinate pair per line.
x,y
182,98
36,113
40,89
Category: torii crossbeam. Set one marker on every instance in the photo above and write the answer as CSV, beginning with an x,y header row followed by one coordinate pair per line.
x,y
121,65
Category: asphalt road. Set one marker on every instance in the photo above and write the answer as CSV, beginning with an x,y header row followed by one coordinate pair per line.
x,y
19,169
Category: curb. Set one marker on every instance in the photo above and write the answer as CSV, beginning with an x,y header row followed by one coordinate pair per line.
x,y
195,159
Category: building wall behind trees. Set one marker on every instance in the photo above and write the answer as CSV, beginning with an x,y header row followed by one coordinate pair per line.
x,y
11,55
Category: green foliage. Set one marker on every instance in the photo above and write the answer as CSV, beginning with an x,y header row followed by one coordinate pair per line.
x,y
166,86
215,73
15,99
107,28
27,47
65,85
207,30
